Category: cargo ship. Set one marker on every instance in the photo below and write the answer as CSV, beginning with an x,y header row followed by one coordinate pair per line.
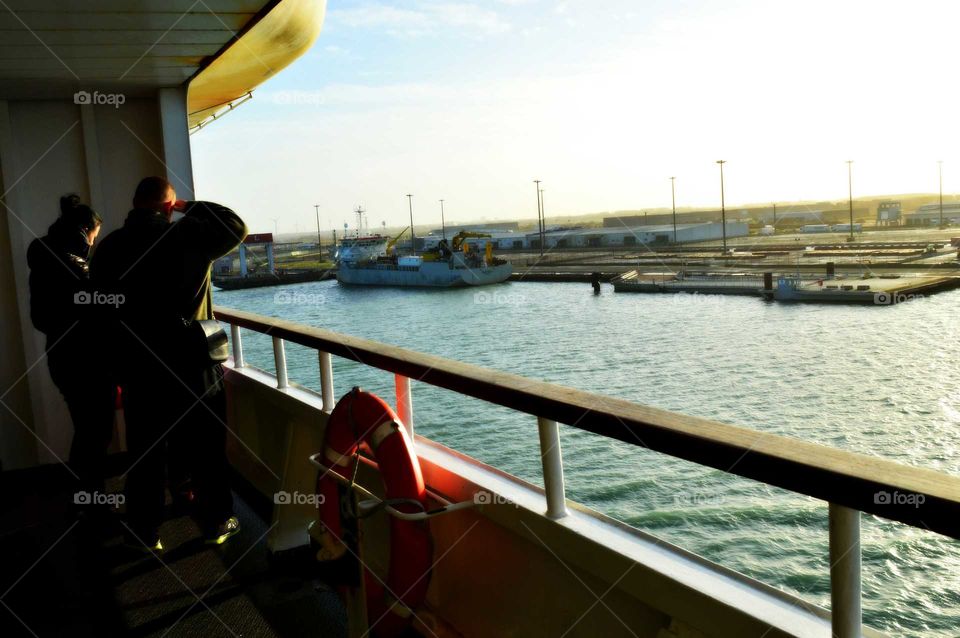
x,y
372,261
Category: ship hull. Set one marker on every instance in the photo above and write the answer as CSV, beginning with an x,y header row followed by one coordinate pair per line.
x,y
428,275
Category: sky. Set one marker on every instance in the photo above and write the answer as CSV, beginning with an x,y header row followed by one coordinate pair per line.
x,y
603,100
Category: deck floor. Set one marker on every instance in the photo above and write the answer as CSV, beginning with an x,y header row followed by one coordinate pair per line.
x,y
60,577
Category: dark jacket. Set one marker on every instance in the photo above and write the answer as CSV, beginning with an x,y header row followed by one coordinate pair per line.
x,y
59,292
161,271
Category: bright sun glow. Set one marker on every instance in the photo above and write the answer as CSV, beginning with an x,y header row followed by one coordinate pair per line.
x,y
601,100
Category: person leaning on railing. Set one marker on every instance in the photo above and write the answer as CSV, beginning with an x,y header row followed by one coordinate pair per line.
x,y
159,264
61,307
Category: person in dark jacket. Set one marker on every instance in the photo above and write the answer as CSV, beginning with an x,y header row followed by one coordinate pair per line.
x,y
174,400
60,307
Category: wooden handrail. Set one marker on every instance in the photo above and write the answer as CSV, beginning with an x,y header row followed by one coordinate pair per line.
x,y
826,473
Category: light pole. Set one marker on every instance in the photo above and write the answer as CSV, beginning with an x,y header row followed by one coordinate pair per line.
x,y
539,220
443,226
940,170
673,201
316,207
543,220
723,207
850,195
413,235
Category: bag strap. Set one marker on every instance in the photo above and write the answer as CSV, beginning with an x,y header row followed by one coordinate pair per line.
x,y
202,294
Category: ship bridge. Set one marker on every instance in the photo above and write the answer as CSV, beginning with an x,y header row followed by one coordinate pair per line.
x,y
96,95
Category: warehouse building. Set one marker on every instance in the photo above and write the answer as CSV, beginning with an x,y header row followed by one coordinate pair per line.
x,y
929,215
635,236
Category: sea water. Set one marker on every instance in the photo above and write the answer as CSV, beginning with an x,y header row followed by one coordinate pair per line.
x,y
878,380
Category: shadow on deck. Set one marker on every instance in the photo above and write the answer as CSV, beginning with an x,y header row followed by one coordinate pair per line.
x,y
64,577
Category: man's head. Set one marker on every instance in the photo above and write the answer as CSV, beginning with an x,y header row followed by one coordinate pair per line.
x,y
155,193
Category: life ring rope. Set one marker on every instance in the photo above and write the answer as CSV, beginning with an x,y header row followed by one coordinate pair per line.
x,y
369,497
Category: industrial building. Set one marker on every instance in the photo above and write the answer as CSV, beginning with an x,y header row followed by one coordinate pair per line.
x,y
580,237
492,227
827,228
889,213
929,215
637,235
667,219
500,240
648,219
790,217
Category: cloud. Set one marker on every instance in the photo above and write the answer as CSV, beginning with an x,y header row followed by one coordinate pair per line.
x,y
381,16
425,19
469,15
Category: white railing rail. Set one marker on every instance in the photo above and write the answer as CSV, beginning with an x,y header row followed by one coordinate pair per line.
x,y
850,483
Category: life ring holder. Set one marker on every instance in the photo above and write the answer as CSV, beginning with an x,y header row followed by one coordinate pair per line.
x,y
363,418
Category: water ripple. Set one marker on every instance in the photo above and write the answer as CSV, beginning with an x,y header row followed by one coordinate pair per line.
x,y
879,381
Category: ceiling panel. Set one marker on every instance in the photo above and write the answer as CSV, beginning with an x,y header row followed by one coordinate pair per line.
x,y
90,26
21,37
127,6
55,46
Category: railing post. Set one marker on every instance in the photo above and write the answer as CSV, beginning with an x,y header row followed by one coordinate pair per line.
x,y
404,402
326,381
237,346
280,361
845,611
552,460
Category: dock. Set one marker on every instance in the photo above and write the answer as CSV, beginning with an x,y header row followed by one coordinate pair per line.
x,y
277,278
886,289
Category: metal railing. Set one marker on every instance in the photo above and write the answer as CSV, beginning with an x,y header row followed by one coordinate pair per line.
x,y
849,482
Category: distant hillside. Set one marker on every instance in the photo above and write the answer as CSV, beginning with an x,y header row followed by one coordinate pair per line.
x,y
834,211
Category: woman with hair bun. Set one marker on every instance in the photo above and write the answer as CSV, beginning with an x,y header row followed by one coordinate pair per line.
x,y
61,307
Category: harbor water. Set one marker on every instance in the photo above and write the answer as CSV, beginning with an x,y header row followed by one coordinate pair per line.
x,y
882,381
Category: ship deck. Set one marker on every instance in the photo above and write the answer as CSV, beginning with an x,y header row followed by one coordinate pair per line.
x,y
62,577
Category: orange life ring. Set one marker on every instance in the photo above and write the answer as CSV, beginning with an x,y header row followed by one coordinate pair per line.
x,y
361,417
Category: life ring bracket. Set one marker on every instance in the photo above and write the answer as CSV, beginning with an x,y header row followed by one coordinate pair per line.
x,y
372,502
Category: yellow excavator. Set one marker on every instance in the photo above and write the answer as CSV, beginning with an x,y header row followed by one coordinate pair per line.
x,y
393,242
457,242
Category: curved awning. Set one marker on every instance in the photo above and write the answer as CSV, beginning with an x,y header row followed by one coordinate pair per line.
x,y
223,49
271,43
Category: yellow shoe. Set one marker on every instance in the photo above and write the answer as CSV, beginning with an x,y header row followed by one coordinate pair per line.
x,y
144,547
223,532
